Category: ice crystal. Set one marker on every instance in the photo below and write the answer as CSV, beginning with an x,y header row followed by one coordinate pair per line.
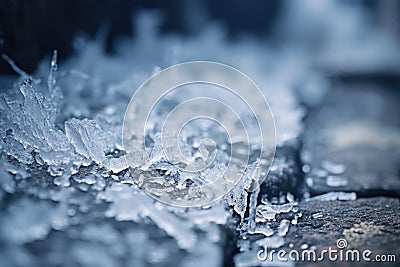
x,y
267,211
63,176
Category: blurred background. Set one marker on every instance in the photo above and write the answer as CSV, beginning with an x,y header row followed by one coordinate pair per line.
x,y
30,29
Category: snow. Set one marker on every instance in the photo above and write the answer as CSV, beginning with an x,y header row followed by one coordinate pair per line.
x,y
64,179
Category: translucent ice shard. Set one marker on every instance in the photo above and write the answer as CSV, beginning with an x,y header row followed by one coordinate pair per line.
x,y
238,196
14,66
268,211
238,199
31,132
28,123
86,137
32,124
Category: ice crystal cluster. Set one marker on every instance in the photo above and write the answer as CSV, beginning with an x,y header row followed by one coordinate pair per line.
x,y
64,176
67,197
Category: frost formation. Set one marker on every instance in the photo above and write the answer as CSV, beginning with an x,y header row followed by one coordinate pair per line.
x,y
63,178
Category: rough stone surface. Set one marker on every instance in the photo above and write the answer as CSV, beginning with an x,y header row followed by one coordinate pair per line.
x,y
340,218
